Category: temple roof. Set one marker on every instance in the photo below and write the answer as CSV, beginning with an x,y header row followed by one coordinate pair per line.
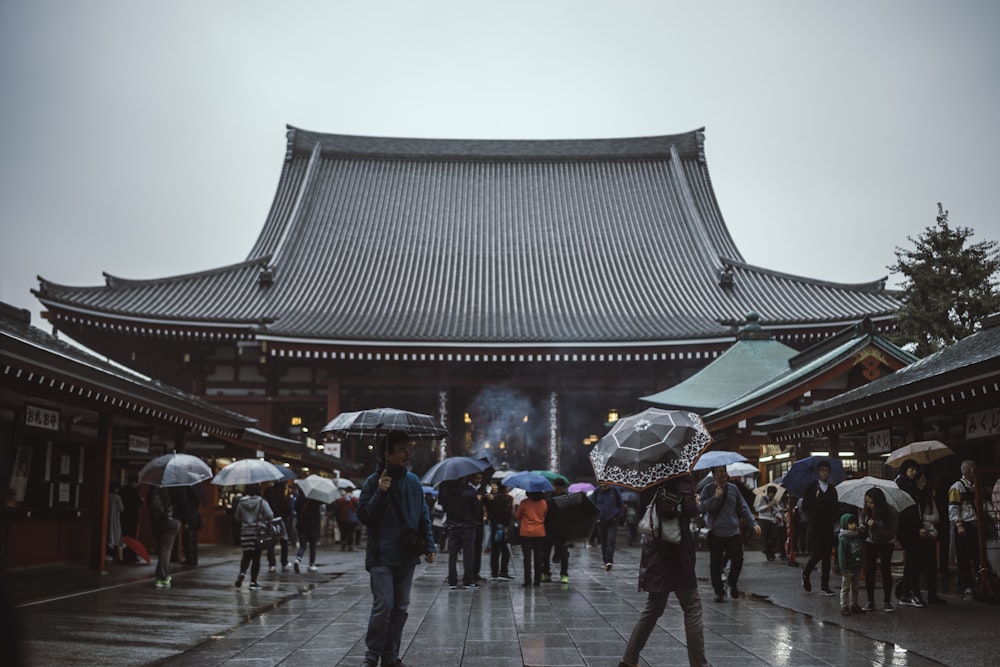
x,y
488,243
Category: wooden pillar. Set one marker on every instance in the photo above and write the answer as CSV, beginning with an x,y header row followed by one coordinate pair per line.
x,y
99,499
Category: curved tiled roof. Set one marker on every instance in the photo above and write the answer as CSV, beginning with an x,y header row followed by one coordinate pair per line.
x,y
426,241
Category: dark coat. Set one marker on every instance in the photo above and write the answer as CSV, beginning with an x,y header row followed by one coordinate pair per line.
x,y
822,512
667,567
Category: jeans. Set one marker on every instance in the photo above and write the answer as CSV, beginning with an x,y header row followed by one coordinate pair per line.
x,y
883,553
499,555
721,549
308,535
694,633
533,549
166,534
464,540
608,532
284,553
390,601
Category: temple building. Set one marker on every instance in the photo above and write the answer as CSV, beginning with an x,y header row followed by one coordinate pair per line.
x,y
523,292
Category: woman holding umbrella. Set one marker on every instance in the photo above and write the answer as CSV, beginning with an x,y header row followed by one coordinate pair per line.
x,y
251,510
667,568
878,524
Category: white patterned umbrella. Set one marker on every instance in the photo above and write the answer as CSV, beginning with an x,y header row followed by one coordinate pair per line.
x,y
852,492
647,448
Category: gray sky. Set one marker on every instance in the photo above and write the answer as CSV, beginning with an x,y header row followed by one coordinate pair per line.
x,y
145,139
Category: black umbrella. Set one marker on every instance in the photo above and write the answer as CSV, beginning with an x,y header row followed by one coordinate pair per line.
x,y
647,448
382,421
454,467
571,517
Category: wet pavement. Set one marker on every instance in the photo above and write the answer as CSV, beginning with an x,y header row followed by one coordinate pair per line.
x,y
72,617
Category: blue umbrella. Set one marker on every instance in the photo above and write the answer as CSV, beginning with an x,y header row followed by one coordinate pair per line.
x,y
803,473
431,490
529,481
455,467
717,457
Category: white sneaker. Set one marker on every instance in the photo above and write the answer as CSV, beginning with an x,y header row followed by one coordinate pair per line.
x,y
272,569
313,568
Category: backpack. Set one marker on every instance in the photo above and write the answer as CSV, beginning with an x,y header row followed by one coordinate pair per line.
x,y
158,504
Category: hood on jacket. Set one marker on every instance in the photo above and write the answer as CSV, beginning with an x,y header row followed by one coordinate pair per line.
x,y
847,516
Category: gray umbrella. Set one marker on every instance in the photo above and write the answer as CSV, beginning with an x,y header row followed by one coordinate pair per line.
x,y
175,470
247,471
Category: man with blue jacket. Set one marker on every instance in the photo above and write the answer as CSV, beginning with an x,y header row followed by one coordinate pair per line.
x,y
392,500
723,506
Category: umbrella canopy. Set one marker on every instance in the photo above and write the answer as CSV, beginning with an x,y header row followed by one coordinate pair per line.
x,y
454,467
431,490
740,469
923,452
175,470
647,448
803,473
571,517
580,487
501,475
247,471
761,490
382,421
286,473
137,547
319,488
344,483
852,492
529,481
553,477
717,457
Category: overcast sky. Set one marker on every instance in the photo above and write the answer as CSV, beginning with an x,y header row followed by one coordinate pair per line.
x,y
145,139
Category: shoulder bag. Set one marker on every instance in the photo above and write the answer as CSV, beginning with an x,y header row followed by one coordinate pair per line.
x,y
412,541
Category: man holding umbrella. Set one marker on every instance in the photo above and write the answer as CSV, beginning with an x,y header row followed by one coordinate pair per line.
x,y
391,501
723,506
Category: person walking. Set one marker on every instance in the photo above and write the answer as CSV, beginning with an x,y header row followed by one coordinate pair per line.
x,y
165,527
819,504
723,506
556,550
666,568
345,508
252,510
878,524
500,512
391,501
850,557
307,512
530,514
769,518
276,496
965,533
610,510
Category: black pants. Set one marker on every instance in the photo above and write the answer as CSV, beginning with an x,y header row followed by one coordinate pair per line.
x,y
533,549
721,549
821,551
464,540
499,555
251,559
882,553
967,555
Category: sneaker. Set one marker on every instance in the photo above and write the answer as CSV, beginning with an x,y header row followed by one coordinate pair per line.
x,y
806,584
869,607
967,590
471,587
272,569
608,566
452,587
564,579
296,565
546,578
239,580
845,611
826,592
313,568
254,585
162,583
888,607
284,567
734,592
504,577
917,601
719,597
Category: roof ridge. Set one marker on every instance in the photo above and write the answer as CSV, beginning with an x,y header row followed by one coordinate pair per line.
x,y
116,281
877,285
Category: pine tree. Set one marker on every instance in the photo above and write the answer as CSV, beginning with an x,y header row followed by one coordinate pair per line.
x,y
948,286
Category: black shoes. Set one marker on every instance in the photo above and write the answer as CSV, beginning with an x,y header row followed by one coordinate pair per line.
x,y
239,580
734,592
825,590
806,584
719,596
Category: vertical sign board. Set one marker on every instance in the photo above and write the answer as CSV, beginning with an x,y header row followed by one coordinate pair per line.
x,y
879,442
